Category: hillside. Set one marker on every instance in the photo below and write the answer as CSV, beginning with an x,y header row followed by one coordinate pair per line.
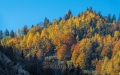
x,y
7,67
88,41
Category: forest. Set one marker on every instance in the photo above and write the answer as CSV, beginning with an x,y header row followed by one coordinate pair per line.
x,y
86,44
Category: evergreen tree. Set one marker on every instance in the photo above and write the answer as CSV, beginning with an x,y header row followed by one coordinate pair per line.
x,y
46,22
90,9
32,26
79,15
6,33
24,30
114,18
109,18
12,34
22,54
60,18
119,18
1,34
67,15
99,13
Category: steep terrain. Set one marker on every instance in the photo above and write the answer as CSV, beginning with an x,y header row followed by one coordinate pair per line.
x,y
7,67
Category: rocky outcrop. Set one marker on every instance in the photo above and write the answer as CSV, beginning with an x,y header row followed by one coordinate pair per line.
x,y
7,67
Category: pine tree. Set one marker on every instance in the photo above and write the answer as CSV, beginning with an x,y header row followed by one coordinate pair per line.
x,y
114,18
6,33
67,15
24,30
60,18
99,13
18,32
12,34
1,34
109,18
32,26
46,22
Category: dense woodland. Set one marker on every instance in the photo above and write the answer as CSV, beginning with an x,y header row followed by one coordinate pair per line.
x,y
80,45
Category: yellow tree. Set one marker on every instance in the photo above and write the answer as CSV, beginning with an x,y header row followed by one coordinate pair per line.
x,y
14,42
82,61
116,61
34,30
23,44
113,66
5,40
44,33
116,48
116,35
30,40
54,22
109,67
83,47
103,66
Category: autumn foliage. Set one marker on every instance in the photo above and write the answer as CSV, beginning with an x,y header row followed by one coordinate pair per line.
x,y
89,41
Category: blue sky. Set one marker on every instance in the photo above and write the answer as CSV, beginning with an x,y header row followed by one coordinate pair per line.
x,y
15,14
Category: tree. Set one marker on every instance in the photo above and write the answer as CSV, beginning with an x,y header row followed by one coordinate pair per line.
x,y
99,13
54,22
91,22
12,33
99,67
119,18
68,14
116,48
109,18
6,33
104,64
90,9
65,68
23,44
118,23
34,30
77,38
24,30
63,52
82,61
1,34
18,32
4,42
69,39
32,26
39,54
94,63
116,35
60,18
46,22
114,18
30,40
75,54
44,33
113,66
106,52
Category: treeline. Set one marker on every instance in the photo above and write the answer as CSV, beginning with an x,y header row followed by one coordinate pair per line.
x,y
89,41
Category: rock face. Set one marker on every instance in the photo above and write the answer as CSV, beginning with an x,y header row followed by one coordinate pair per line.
x,y
7,67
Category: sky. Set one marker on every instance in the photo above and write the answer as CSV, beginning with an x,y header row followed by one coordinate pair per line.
x,y
14,14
